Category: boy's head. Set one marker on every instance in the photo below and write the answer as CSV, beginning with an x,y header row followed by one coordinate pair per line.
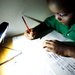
x,y
62,9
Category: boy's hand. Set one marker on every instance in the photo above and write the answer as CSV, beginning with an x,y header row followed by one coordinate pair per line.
x,y
30,35
56,47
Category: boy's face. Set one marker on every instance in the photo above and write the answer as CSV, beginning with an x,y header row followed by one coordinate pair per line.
x,y
60,15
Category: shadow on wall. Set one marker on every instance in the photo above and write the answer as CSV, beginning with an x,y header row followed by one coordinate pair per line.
x,y
12,10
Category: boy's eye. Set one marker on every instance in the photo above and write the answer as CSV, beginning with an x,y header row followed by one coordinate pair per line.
x,y
62,14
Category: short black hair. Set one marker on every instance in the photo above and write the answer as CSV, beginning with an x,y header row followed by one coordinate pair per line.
x,y
66,5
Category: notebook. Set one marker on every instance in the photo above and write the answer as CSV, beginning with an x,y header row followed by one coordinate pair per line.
x,y
36,61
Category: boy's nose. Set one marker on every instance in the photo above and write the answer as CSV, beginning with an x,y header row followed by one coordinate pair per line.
x,y
58,17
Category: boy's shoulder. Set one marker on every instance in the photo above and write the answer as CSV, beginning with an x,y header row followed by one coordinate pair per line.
x,y
73,27
51,17
50,21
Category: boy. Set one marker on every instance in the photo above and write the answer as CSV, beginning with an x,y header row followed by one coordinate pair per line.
x,y
63,22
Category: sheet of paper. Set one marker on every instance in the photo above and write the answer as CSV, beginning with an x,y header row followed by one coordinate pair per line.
x,y
7,54
39,62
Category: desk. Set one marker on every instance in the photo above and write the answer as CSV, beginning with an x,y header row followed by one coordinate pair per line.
x,y
34,60
7,53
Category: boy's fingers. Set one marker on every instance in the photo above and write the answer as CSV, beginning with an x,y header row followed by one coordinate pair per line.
x,y
48,45
28,31
49,49
51,46
29,35
52,40
49,42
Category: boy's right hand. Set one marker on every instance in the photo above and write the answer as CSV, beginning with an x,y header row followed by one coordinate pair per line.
x,y
30,35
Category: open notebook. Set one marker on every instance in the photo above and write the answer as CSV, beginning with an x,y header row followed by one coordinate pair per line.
x,y
36,61
7,54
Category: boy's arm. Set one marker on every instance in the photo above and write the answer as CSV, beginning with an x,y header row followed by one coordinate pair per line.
x,y
71,50
45,27
59,48
42,29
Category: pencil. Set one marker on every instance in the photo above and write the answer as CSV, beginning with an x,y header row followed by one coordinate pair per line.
x,y
26,24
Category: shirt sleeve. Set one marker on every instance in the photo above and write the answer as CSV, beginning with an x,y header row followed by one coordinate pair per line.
x,y
50,22
71,35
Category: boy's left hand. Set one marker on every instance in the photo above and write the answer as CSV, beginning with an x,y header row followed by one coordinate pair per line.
x,y
56,47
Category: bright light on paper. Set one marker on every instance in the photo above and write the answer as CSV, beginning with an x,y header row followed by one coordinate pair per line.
x,y
33,60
